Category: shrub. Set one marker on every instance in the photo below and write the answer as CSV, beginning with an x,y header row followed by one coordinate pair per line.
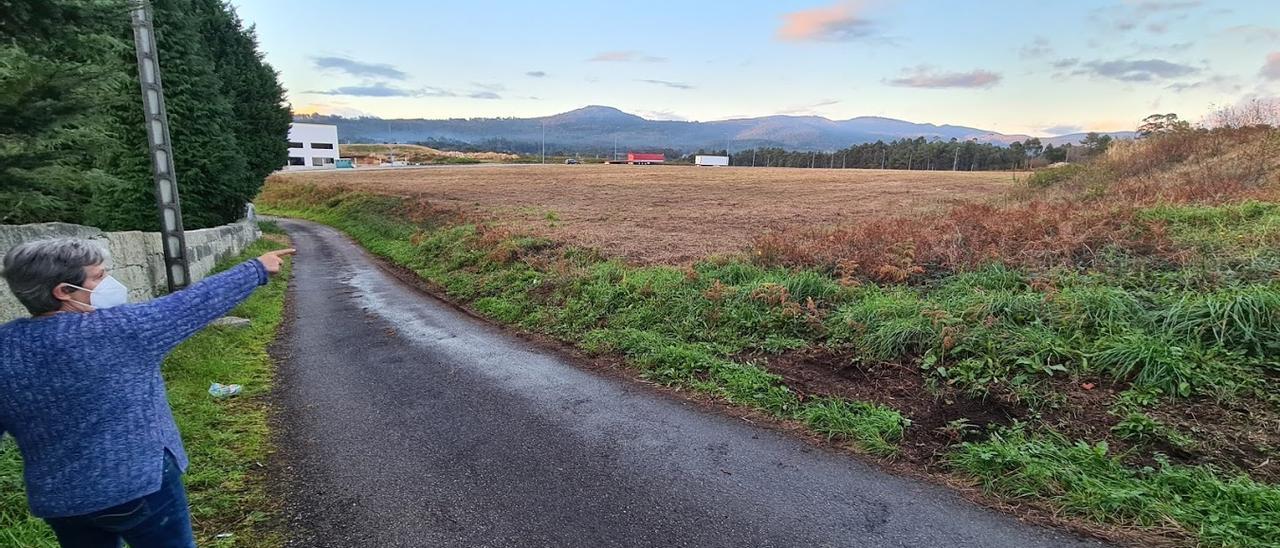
x,y
1043,178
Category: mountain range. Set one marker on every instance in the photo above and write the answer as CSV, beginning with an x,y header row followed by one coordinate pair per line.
x,y
597,128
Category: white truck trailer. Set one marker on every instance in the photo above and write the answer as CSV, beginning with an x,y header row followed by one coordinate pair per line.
x,y
704,160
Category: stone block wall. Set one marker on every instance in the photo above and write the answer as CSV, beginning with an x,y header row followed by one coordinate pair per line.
x,y
137,258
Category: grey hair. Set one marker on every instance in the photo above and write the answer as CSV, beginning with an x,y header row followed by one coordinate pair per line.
x,y
34,269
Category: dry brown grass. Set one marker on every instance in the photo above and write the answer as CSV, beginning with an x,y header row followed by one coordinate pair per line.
x,y
372,155
669,214
1069,225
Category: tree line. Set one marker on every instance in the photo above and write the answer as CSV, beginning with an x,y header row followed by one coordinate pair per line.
x,y
920,154
73,144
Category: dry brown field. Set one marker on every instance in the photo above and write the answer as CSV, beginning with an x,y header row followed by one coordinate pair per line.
x,y
669,214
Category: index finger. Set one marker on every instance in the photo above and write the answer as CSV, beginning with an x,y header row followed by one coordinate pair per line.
x,y
284,252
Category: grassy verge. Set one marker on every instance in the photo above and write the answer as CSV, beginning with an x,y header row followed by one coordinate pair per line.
x,y
226,439
665,325
1086,480
1117,357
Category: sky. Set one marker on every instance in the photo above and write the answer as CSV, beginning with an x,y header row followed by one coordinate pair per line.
x,y
1039,68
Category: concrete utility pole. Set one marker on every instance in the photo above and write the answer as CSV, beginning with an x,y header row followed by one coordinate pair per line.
x,y
955,164
172,236
544,141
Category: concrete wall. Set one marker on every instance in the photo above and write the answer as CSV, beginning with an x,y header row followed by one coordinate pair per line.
x,y
137,258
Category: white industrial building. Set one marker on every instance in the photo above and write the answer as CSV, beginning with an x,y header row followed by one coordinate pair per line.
x,y
312,146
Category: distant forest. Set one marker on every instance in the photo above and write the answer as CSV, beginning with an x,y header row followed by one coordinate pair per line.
x,y
920,154
912,154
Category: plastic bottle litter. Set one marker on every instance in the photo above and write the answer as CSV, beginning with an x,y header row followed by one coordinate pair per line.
x,y
218,390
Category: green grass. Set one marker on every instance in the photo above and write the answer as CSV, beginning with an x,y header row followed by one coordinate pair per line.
x,y
1244,230
17,526
226,440
1172,334
875,428
1087,481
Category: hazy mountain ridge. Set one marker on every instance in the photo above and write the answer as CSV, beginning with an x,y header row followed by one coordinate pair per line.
x,y
599,127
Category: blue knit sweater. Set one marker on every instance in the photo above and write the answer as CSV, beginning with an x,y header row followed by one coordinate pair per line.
x,y
82,393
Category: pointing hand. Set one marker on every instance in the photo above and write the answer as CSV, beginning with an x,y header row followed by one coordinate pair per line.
x,y
273,259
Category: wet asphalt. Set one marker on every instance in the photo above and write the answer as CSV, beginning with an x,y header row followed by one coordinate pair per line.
x,y
401,421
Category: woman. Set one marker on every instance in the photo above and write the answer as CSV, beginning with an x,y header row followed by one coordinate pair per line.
x,y
81,392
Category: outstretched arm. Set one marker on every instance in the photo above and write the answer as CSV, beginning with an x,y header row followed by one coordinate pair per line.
x,y
162,323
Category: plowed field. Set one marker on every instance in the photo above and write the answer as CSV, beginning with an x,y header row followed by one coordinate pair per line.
x,y
669,214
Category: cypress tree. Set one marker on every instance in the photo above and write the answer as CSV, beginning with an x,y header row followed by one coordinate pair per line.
x,y
210,168
257,99
57,60
72,137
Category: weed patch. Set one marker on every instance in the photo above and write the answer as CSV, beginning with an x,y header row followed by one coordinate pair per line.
x,y
1086,480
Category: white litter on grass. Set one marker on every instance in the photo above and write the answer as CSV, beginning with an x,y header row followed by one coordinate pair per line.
x,y
223,390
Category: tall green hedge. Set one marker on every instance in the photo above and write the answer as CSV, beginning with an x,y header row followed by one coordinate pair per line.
x,y
72,138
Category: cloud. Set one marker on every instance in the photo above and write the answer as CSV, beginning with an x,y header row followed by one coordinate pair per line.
x,y
1063,129
1174,48
489,87
926,77
840,22
434,92
676,85
1152,6
625,57
1066,63
1143,70
1271,69
379,89
1218,82
359,68
1036,49
810,108
382,89
1131,14
536,74
1254,33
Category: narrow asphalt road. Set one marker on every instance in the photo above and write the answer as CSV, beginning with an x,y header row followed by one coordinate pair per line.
x,y
403,422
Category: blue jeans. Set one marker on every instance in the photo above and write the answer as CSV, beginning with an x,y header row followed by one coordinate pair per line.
x,y
158,520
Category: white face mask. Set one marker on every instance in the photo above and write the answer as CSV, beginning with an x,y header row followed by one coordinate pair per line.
x,y
110,292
